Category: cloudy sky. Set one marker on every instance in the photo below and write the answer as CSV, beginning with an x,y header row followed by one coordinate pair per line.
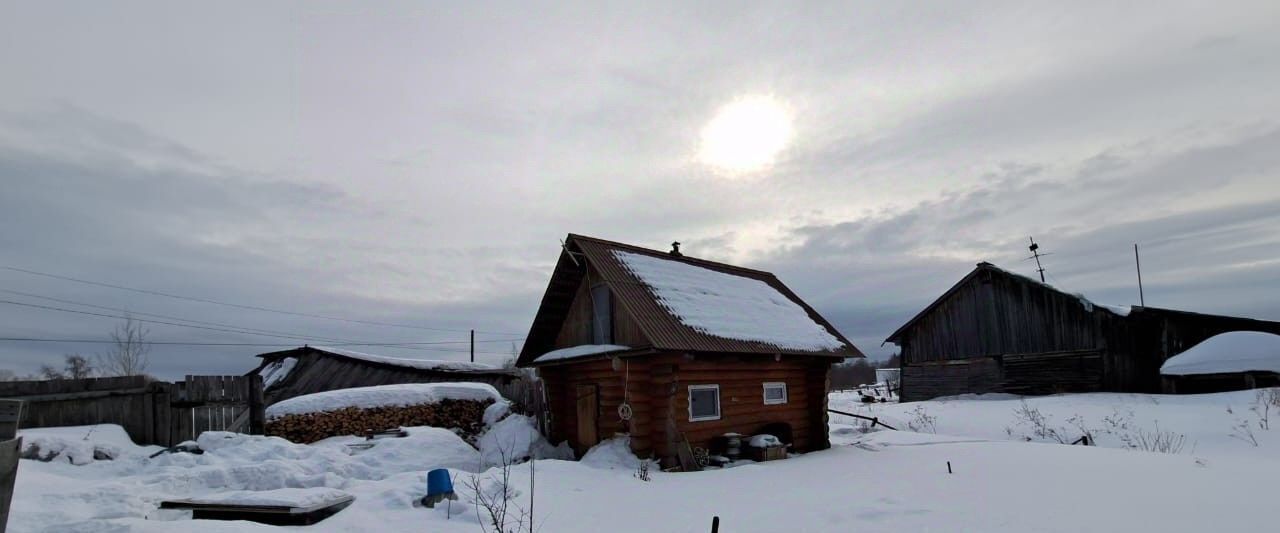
x,y
417,163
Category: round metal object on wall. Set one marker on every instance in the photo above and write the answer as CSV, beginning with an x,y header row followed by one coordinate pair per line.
x,y
624,411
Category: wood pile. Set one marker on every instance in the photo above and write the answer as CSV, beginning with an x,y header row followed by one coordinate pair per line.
x,y
466,417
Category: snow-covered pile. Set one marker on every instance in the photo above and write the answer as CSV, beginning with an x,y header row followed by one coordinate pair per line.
x,y
400,395
614,453
277,371
515,439
1235,351
581,350
301,498
764,441
728,306
420,364
76,445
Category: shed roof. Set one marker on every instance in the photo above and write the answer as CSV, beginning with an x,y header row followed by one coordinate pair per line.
x,y
684,303
422,365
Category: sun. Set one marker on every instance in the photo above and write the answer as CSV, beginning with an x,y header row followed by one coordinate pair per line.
x,y
746,135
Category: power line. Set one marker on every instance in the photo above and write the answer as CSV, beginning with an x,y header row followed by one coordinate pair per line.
x,y
255,344
121,317
241,306
254,331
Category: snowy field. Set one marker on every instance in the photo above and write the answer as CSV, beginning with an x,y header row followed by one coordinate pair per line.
x,y
880,480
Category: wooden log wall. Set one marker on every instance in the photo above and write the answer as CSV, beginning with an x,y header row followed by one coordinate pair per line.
x,y
658,392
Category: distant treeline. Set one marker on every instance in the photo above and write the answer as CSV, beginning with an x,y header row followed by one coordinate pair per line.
x,y
859,372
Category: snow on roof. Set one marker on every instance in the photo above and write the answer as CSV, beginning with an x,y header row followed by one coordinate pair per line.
x,y
288,497
277,371
399,395
1235,351
581,350
729,306
420,364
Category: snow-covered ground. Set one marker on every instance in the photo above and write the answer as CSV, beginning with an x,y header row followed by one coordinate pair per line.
x,y
881,480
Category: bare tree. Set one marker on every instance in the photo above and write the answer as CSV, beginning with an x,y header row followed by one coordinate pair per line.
x,y
78,366
128,354
48,372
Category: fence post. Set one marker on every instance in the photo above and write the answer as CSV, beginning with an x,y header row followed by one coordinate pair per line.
x,y
257,409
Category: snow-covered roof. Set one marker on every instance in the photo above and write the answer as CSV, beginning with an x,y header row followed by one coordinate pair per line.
x,y
420,364
399,395
581,350
725,305
1235,351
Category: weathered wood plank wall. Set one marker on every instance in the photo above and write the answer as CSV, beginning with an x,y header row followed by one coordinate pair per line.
x,y
151,412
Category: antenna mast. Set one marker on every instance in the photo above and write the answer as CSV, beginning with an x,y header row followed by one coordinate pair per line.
x,y
1035,253
1142,300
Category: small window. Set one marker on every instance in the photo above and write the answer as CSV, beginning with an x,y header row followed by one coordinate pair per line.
x,y
704,402
601,315
775,392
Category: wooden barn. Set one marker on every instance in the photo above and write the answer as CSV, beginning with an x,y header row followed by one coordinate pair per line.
x,y
312,369
677,351
995,331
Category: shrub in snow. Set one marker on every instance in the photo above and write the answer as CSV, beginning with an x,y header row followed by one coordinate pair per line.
x,y
921,421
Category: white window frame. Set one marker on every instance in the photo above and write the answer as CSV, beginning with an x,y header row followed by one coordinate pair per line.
x,y
774,384
690,402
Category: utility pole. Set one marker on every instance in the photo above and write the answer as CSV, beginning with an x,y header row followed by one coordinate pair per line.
x,y
473,346
1035,252
1142,300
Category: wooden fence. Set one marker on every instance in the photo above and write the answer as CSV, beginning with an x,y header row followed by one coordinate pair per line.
x,y
152,412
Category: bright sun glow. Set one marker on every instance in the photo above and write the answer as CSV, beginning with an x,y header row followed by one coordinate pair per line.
x,y
746,135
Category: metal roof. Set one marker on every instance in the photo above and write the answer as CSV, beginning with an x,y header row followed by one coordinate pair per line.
x,y
662,329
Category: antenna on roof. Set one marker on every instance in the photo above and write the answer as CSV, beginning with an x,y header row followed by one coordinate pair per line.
x,y
1035,254
565,246
675,249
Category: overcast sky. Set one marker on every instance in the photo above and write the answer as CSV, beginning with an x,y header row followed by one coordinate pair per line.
x,y
417,163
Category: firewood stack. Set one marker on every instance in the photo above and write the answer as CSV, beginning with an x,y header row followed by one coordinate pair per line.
x,y
464,416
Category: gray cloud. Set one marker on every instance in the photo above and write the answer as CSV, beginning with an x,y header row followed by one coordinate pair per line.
x,y
418,164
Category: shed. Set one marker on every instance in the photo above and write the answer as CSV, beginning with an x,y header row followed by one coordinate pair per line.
x,y
1235,360
996,331
311,369
673,350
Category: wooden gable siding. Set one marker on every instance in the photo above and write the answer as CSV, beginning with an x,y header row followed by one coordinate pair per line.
x,y
576,329
1000,314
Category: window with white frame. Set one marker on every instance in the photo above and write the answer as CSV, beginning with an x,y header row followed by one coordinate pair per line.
x,y
704,402
775,392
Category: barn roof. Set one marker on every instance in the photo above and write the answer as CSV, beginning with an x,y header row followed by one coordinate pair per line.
x,y
990,268
682,303
1122,311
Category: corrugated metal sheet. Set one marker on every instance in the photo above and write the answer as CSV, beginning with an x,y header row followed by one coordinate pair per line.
x,y
663,330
